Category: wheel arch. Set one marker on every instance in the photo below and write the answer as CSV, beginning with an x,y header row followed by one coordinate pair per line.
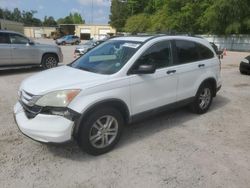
x,y
212,82
50,53
115,103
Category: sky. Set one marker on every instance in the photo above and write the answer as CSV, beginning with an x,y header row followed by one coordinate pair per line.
x,y
62,8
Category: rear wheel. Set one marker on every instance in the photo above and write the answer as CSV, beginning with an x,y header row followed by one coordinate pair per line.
x,y
203,99
49,61
101,131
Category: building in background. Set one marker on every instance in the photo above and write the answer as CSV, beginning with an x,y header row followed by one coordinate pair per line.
x,y
86,32
11,25
39,32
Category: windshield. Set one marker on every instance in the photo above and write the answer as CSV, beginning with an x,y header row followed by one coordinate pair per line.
x,y
107,58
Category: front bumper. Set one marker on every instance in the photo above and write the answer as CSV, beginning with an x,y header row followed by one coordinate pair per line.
x,y
44,128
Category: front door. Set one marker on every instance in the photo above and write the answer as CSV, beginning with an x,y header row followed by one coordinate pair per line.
x,y
149,91
23,52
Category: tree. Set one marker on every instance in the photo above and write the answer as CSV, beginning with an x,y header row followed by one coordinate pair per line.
x,y
49,21
137,24
119,14
72,18
29,20
228,17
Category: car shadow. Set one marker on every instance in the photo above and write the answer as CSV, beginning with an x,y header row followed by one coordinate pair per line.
x,y
137,131
16,71
20,71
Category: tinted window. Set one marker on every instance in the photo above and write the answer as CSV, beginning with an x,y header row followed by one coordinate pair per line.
x,y
18,39
4,38
159,55
188,51
205,53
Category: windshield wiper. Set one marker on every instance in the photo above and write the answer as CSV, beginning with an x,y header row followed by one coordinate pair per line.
x,y
85,69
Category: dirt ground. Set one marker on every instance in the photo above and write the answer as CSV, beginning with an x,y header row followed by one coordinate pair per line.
x,y
176,149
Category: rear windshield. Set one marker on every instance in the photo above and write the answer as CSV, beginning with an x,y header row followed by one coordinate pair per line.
x,y
107,58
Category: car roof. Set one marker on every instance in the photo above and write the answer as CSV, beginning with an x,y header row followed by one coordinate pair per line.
x,y
144,38
133,38
147,38
8,31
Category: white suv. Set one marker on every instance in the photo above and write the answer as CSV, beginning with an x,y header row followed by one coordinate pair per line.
x,y
116,83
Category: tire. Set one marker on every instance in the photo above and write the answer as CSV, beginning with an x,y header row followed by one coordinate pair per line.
x,y
94,137
77,42
63,43
49,61
203,99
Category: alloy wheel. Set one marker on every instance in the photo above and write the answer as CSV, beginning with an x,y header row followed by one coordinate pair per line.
x,y
205,98
103,132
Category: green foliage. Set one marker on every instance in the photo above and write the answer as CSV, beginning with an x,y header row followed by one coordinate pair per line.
x,y
137,24
187,16
72,18
49,21
119,14
27,17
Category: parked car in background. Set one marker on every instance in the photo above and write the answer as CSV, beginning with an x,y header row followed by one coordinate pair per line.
x,y
18,51
245,65
82,49
121,81
68,39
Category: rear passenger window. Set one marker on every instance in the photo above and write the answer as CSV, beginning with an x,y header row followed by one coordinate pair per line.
x,y
188,51
4,38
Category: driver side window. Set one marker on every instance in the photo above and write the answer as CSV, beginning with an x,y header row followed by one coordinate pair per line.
x,y
159,55
18,39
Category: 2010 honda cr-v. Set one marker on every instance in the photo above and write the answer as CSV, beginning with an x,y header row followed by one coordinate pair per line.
x,y
121,80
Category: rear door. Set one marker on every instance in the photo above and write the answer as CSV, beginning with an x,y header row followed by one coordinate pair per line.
x,y
22,52
192,60
5,49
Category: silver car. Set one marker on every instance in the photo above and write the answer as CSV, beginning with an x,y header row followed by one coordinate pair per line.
x,y
16,51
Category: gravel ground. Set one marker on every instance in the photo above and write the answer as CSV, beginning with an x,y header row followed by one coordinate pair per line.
x,y
176,149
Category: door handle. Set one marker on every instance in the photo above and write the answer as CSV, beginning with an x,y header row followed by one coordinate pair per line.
x,y
201,65
171,71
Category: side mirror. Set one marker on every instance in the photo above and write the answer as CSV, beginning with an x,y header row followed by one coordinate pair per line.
x,y
145,69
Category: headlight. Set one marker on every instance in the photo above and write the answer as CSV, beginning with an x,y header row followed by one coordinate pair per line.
x,y
58,98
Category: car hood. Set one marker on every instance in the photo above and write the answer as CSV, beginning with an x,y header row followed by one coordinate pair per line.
x,y
59,78
45,45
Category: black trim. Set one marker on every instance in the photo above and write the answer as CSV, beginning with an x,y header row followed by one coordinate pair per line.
x,y
218,89
67,112
98,104
32,111
152,112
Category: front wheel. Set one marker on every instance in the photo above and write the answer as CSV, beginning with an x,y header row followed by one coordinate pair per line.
x,y
203,99
101,131
49,61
